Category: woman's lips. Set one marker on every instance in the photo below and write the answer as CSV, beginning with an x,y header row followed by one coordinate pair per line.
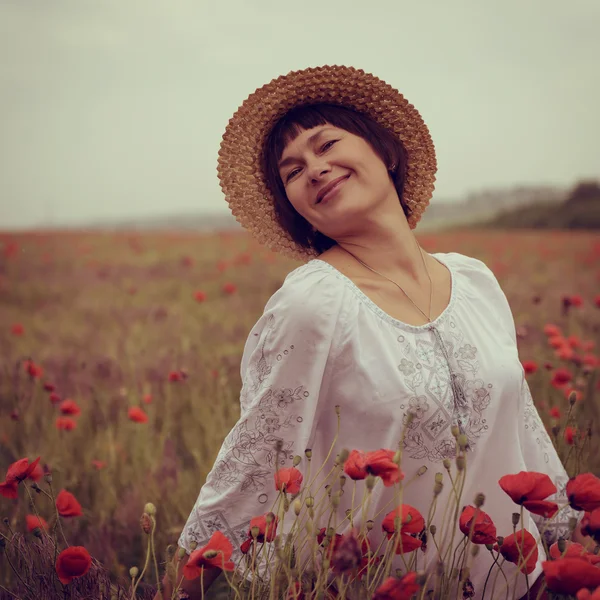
x,y
335,190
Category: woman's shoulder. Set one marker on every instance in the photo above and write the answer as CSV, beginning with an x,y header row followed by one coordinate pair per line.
x,y
474,270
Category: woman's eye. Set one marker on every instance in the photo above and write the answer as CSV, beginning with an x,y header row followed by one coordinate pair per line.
x,y
290,175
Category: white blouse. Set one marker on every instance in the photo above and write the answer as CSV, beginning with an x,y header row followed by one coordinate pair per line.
x,y
322,342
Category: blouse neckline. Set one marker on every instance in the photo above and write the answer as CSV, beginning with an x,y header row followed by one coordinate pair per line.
x,y
384,315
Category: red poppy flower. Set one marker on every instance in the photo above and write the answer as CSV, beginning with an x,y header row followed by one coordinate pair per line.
x,y
98,464
398,589
69,407
137,415
583,492
573,550
33,521
17,472
526,542
555,412
174,376
216,554
569,435
381,464
590,524
336,540
561,377
355,466
529,490
65,423
72,562
17,329
484,530
200,296
147,398
585,594
186,261
288,480
49,387
569,575
551,329
529,366
347,556
37,473
411,524
54,398
67,505
266,531
229,288
33,370
246,545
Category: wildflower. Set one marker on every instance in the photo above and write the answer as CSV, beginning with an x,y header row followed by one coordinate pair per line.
x,y
484,530
355,466
216,553
146,523
590,524
137,415
69,407
398,589
147,398
550,329
583,492
266,531
288,480
573,550
569,575
530,366
67,505
333,544
37,473
98,464
174,376
33,521
585,594
411,524
229,288
379,463
347,555
561,377
72,562
529,490
65,423
522,541
199,296
17,472
17,329
49,387
33,370
569,435
54,398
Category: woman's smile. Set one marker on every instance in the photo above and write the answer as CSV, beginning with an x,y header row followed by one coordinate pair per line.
x,y
334,191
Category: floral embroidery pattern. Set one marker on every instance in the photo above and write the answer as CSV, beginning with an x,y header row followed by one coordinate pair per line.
x,y
449,398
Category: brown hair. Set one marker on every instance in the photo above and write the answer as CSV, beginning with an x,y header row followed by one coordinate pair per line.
x,y
384,144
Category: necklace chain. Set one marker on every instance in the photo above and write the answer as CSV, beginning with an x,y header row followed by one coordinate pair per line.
x,y
391,281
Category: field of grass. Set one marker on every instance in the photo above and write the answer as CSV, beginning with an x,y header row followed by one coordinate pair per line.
x,y
157,322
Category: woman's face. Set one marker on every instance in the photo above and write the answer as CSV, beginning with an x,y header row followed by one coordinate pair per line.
x,y
322,154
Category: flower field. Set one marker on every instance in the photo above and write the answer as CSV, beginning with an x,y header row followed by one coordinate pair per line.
x,y
121,371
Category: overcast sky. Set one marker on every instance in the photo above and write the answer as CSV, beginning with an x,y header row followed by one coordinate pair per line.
x,y
116,108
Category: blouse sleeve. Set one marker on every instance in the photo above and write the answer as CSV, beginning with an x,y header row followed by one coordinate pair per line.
x,y
538,451
285,370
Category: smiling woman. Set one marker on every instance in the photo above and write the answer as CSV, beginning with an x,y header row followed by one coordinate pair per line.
x,y
280,172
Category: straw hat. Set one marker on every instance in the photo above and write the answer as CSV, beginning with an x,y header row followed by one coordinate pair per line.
x,y
239,165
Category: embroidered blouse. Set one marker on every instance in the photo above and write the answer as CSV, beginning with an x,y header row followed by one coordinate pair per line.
x,y
322,342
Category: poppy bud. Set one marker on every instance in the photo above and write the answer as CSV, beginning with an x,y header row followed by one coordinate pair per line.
x,y
500,540
370,524
460,463
269,518
337,410
146,523
555,430
454,430
48,477
516,517
463,441
181,552
254,531
193,545
343,456
308,453
342,480
432,529
572,398
297,460
421,578
37,532
439,477
399,573
446,462
348,512
36,487
133,572
490,546
479,500
437,488
310,501
397,457
562,544
211,554
370,482
410,417
150,508
310,527
297,506
422,470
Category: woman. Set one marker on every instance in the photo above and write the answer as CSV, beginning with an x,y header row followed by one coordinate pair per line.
x,y
334,167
